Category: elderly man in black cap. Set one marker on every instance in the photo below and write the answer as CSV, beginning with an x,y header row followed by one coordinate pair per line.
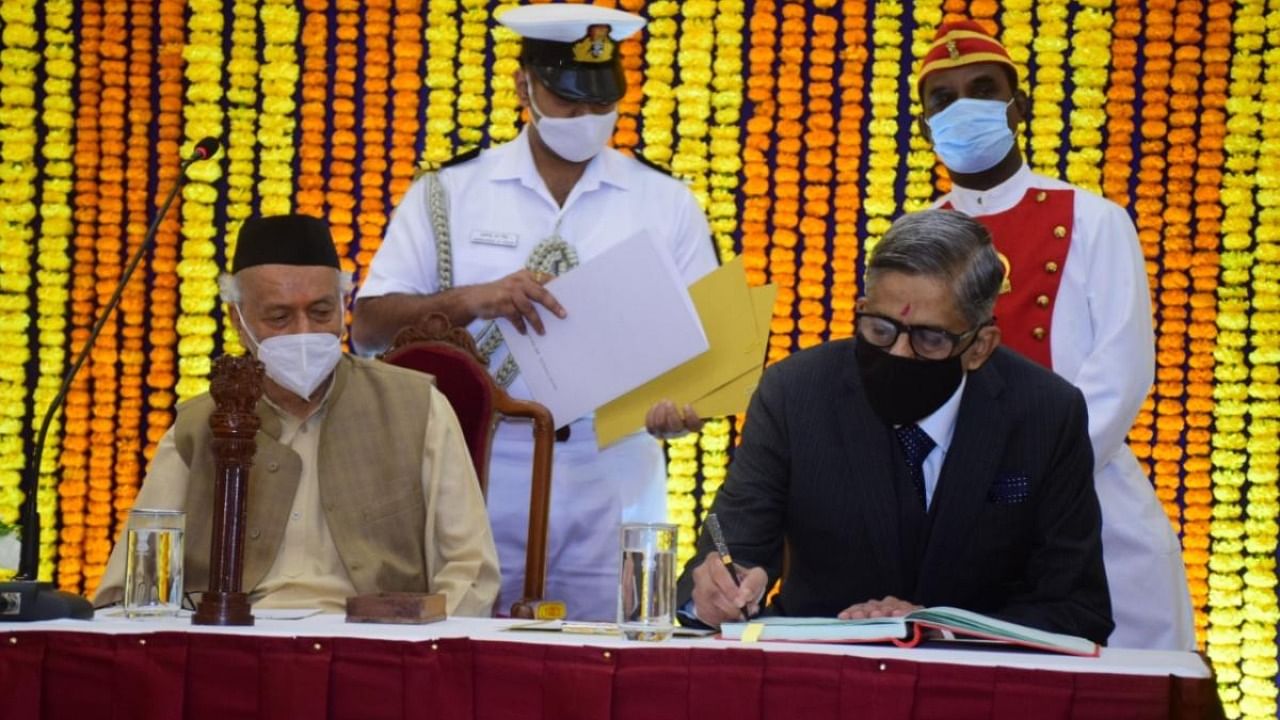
x,y
361,483
476,240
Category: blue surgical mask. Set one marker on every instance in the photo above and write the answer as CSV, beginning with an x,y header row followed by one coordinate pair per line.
x,y
970,135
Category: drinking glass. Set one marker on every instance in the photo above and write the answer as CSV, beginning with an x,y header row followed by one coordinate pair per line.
x,y
647,581
153,562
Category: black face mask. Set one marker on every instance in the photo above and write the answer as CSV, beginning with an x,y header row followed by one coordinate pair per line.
x,y
904,390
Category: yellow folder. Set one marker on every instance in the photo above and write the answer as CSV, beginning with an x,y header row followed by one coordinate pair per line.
x,y
735,319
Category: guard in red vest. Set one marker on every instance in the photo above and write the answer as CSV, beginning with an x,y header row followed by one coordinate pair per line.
x,y
1075,299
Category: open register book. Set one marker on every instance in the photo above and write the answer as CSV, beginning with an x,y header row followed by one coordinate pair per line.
x,y
907,631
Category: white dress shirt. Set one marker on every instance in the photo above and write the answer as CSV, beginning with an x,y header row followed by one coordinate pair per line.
x,y
940,426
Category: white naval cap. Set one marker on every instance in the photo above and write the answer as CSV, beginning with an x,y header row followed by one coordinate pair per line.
x,y
572,48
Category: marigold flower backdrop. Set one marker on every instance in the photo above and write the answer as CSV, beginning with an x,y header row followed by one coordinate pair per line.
x,y
792,123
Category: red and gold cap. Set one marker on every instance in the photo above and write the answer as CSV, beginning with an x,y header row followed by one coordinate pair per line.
x,y
963,43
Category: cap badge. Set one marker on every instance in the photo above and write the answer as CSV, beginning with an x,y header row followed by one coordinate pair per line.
x,y
952,50
596,47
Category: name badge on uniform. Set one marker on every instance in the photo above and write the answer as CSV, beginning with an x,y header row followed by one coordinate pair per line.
x,y
491,237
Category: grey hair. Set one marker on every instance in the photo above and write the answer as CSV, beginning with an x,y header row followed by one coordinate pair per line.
x,y
947,245
229,286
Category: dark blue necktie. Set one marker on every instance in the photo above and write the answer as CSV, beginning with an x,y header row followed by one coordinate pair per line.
x,y
916,445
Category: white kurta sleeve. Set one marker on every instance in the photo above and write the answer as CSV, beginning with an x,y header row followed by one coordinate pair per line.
x,y
164,488
406,260
1119,364
462,561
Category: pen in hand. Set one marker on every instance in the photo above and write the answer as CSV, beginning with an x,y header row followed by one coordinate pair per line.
x,y
717,537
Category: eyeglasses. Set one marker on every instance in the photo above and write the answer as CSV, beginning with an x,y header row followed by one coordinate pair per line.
x,y
928,342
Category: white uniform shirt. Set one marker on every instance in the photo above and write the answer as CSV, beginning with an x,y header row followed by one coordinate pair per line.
x,y
1103,343
499,209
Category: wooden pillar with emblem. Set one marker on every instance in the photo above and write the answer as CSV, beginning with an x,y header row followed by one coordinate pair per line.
x,y
236,385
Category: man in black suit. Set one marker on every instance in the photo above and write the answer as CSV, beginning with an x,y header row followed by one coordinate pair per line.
x,y
919,464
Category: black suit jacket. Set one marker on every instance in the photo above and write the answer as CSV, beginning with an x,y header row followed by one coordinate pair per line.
x,y
1013,528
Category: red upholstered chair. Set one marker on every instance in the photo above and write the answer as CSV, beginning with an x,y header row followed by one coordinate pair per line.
x,y
449,353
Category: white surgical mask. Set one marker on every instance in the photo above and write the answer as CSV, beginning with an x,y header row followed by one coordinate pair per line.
x,y
971,135
300,362
576,139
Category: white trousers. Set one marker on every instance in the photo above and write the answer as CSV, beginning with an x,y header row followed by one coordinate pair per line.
x,y
593,492
1150,601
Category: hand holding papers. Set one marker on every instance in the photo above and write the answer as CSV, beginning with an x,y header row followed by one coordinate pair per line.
x,y
719,381
629,320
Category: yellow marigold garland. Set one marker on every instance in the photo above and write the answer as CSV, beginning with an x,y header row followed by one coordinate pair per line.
x,y
1231,371
18,142
472,74
693,96
277,121
198,271
1047,93
242,100
882,172
441,36
921,161
659,102
1258,665
503,102
53,260
726,145
1088,58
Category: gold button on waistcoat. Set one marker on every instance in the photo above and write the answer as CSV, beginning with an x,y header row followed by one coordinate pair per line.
x,y
1060,231
1042,300
1051,267
1041,196
1038,333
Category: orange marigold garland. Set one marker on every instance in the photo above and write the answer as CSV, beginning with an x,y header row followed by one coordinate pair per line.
x,y
786,178
848,198
1197,497
372,215
133,303
315,132
73,490
162,335
1119,107
406,81
819,141
626,134
340,179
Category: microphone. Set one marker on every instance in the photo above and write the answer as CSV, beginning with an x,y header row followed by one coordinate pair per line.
x,y
25,598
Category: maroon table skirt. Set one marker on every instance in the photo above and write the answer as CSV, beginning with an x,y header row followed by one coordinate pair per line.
x,y
161,676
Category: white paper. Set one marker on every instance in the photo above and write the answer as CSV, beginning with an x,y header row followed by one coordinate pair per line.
x,y
629,320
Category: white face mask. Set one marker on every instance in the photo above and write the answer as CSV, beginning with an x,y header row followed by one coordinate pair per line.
x,y
299,362
576,139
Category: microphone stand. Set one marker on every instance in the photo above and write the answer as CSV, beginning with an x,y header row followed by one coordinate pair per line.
x,y
26,598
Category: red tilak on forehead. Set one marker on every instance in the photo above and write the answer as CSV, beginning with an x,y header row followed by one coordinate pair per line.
x,y
906,310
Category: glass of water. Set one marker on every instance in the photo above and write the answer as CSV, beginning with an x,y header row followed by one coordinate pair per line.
x,y
647,581
153,562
